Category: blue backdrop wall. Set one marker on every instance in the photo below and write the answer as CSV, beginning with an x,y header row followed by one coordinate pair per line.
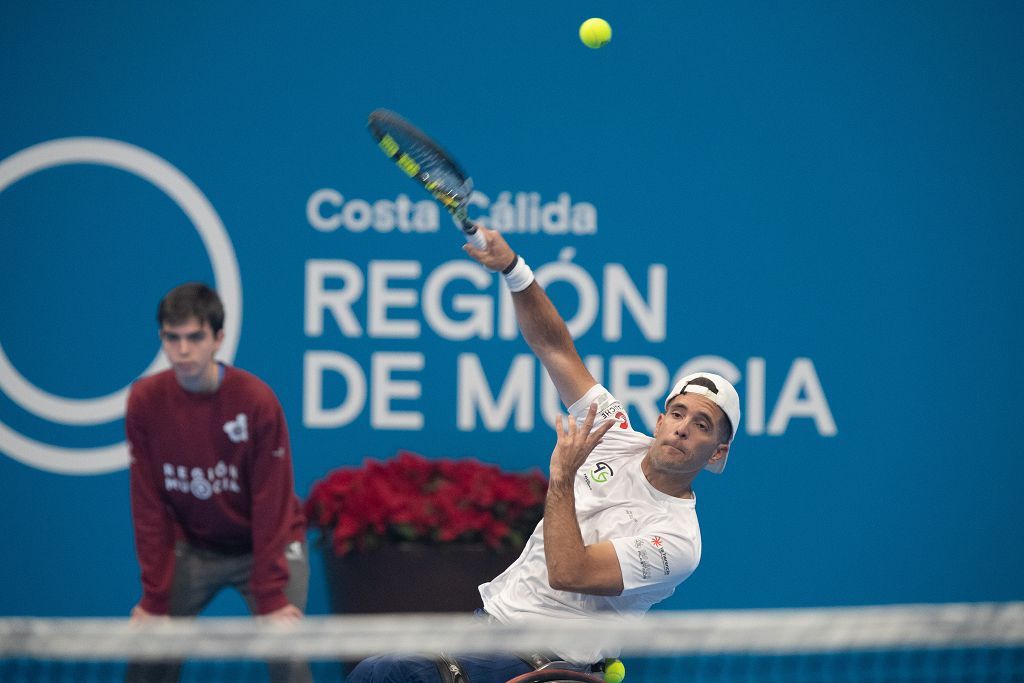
x,y
821,200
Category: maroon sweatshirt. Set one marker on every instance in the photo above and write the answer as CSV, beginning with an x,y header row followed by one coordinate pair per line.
x,y
216,470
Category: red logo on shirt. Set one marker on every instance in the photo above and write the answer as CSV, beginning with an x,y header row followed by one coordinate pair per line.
x,y
656,541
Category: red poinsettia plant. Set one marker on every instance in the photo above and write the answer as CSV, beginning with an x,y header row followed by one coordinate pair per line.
x,y
410,498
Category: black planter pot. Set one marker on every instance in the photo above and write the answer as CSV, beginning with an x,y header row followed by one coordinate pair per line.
x,y
412,578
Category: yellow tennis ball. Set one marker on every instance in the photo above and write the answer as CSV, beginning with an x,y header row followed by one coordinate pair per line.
x,y
614,671
595,32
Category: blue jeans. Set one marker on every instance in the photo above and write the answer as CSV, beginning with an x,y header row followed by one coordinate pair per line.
x,y
489,668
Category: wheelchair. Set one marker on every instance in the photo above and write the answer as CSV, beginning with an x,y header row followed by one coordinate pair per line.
x,y
556,676
451,672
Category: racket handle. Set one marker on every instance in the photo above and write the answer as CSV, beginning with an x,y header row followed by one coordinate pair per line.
x,y
474,236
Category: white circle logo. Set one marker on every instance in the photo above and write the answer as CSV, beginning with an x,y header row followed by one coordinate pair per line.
x,y
201,488
103,409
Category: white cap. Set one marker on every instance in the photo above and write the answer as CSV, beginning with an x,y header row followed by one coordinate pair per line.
x,y
723,395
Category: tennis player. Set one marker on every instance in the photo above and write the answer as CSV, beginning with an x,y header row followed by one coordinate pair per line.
x,y
620,525
213,500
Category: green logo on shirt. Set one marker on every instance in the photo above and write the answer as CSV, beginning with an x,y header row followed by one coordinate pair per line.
x,y
601,473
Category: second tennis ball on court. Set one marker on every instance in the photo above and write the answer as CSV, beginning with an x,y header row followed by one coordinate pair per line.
x,y
595,32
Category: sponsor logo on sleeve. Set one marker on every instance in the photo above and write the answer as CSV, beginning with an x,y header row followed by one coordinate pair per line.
x,y
610,409
649,565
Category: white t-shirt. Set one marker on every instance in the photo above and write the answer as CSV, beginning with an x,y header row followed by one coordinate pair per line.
x,y
656,536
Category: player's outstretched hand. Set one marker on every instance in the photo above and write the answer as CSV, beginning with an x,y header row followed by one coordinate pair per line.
x,y
497,256
575,442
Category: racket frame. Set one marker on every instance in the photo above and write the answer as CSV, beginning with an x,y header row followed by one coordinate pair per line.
x,y
455,202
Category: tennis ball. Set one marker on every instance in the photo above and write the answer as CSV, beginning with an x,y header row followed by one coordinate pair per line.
x,y
614,671
595,32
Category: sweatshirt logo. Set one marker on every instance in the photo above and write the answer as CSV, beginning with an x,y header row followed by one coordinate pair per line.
x,y
237,429
202,483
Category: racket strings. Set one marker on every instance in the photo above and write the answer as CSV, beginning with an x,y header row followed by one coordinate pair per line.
x,y
436,171
433,167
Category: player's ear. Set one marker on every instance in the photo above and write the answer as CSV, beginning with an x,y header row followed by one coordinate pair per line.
x,y
720,452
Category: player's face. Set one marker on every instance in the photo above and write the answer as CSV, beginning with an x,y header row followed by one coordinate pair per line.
x,y
686,436
191,347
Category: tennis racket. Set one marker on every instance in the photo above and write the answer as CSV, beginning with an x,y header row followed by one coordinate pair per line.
x,y
425,161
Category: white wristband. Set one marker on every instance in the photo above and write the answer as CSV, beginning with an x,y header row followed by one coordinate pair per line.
x,y
519,276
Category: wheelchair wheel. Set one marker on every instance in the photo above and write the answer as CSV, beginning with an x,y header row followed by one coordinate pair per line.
x,y
556,676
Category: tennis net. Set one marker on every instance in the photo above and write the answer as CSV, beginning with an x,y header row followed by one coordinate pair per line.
x,y
947,642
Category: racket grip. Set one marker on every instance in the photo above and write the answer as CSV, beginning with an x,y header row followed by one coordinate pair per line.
x,y
474,236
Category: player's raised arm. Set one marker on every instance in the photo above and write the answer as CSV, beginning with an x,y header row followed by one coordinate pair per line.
x,y
542,326
572,564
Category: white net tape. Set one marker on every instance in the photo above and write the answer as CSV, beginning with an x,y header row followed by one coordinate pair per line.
x,y
778,632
